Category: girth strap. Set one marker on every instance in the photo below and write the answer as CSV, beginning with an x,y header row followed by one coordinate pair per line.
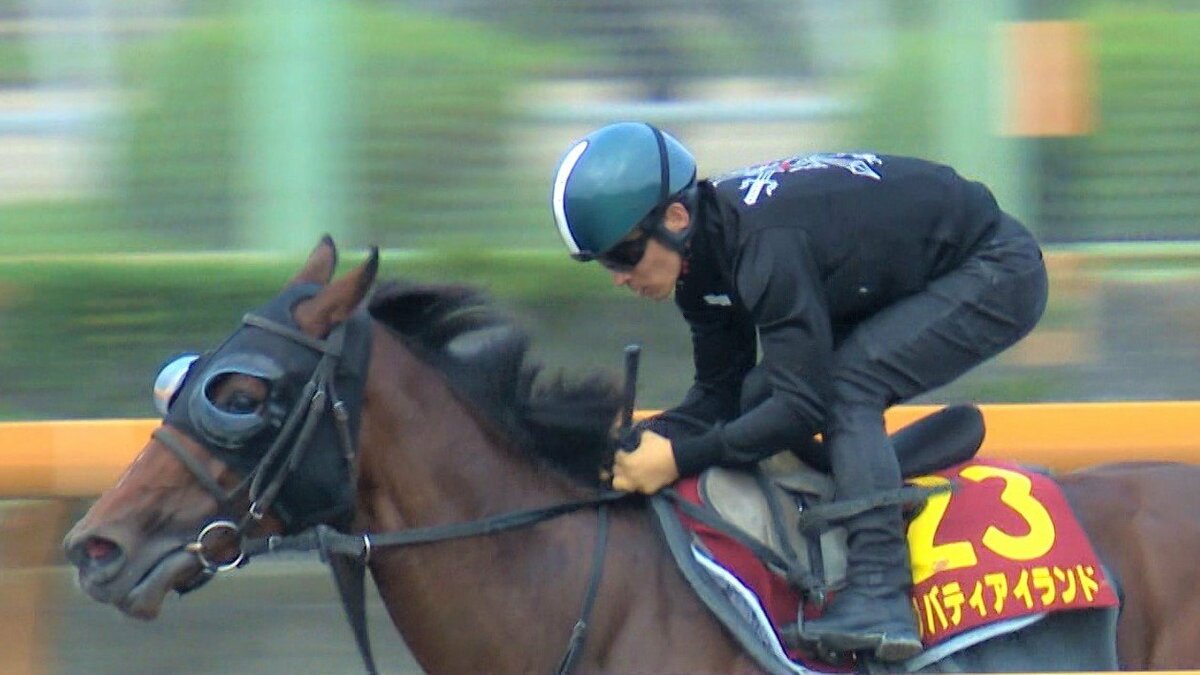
x,y
775,510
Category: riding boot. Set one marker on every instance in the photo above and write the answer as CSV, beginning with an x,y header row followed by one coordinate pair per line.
x,y
873,612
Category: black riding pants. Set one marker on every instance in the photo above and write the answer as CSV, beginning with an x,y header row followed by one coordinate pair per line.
x,y
917,344
913,346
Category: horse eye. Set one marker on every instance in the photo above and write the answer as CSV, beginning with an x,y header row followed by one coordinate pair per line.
x,y
240,403
237,394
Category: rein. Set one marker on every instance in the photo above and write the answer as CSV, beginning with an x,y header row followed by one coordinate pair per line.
x,y
355,550
327,540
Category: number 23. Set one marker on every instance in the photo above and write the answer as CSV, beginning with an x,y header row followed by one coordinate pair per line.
x,y
1017,495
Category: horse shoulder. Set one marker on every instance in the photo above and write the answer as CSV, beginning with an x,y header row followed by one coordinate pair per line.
x,y
655,622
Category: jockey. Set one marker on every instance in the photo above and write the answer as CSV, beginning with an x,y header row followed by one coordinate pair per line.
x,y
866,279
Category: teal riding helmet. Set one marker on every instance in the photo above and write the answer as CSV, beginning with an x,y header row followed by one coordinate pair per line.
x,y
610,180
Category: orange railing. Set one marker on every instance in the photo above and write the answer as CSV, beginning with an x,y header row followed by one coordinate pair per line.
x,y
81,458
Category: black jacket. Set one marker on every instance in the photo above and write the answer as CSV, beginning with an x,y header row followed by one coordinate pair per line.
x,y
794,254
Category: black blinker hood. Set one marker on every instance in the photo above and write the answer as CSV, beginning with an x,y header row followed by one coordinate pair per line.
x,y
322,487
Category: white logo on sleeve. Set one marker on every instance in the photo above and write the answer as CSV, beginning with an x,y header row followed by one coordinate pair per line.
x,y
720,300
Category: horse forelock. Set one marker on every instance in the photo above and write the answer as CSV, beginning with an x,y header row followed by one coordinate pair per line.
x,y
564,422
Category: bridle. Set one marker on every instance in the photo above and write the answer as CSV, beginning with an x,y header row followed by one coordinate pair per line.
x,y
261,486
348,554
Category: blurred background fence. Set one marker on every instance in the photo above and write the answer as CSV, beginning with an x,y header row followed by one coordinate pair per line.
x,y
164,164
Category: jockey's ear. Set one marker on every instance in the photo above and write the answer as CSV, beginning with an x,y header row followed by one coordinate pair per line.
x,y
318,269
677,218
338,300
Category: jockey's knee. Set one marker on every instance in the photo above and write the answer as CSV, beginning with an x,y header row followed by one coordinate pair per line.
x,y
855,403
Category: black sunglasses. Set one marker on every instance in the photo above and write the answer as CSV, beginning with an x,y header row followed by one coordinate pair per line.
x,y
626,254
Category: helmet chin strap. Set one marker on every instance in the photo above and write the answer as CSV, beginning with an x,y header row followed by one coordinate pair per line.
x,y
677,241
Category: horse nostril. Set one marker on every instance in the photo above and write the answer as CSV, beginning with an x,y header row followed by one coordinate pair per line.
x,y
100,550
94,552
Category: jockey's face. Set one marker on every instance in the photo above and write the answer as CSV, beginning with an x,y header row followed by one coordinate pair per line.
x,y
654,276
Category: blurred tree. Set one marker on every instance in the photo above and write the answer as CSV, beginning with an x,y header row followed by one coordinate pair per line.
x,y
422,152
1135,177
660,47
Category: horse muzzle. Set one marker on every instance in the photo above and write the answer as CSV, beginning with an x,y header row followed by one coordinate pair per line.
x,y
133,582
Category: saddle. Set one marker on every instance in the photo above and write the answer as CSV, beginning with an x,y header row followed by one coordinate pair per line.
x,y
786,505
766,504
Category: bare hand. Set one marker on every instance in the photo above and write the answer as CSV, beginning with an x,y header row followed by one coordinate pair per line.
x,y
648,469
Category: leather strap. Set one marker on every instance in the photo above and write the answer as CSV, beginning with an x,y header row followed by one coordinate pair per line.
x,y
359,545
347,556
579,633
349,577
821,516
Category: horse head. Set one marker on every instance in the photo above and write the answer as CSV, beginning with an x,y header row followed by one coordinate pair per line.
x,y
244,446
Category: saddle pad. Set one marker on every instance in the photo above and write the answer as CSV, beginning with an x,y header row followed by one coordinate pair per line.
x,y
1003,545
776,598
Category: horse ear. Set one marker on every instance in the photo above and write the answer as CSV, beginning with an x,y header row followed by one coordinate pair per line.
x,y
338,300
318,269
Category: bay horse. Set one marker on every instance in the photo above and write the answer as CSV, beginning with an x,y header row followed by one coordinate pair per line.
x,y
419,411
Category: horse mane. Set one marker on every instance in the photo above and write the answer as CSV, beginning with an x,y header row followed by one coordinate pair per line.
x,y
484,355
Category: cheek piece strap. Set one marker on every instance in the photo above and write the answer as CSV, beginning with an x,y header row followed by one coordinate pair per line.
x,y
262,485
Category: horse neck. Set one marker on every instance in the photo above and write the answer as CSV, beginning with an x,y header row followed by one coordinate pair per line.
x,y
432,455
427,460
